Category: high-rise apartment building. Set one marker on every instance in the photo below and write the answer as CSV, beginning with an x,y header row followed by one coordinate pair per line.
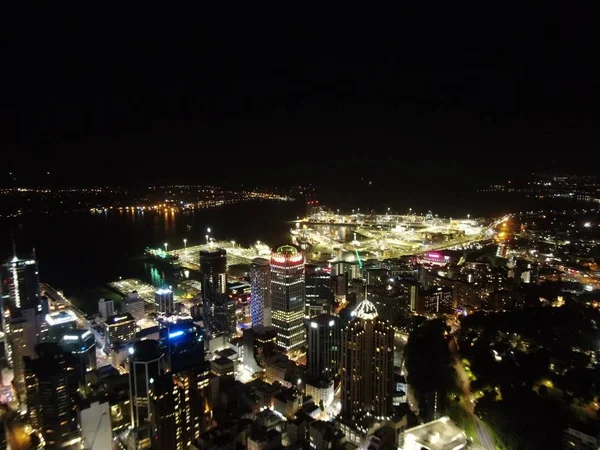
x,y
164,301
219,309
287,297
119,329
367,364
106,308
134,305
324,347
260,297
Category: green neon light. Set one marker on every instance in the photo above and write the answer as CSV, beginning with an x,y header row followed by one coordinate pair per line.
x,y
287,249
360,264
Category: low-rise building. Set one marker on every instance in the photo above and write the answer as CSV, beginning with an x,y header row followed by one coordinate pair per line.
x,y
440,434
221,366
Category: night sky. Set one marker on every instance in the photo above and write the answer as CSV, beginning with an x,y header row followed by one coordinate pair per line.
x,y
286,96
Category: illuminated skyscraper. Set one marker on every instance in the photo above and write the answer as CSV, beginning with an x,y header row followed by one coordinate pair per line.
x,y
367,364
324,347
219,309
52,410
79,347
319,289
15,339
21,300
164,301
146,366
23,283
260,298
287,297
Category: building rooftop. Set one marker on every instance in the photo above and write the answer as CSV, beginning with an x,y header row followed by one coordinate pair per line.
x,y
366,310
147,332
222,362
147,350
324,319
440,434
112,320
60,317
289,395
79,334
261,261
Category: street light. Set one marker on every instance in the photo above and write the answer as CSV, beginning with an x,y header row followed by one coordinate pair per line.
x,y
206,236
233,244
185,244
166,246
208,230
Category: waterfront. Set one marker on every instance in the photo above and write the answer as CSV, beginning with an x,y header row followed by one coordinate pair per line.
x,y
79,253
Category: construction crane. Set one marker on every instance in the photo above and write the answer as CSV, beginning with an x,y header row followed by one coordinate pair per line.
x,y
91,446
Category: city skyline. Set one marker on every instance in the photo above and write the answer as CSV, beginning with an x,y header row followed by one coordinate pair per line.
x,y
281,229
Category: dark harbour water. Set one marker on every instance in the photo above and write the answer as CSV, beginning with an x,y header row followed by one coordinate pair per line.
x,y
80,252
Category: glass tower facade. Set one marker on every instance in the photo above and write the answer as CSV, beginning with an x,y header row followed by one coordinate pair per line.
x,y
219,309
260,297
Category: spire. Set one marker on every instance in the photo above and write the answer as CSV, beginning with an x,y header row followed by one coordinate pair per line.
x,y
14,246
366,310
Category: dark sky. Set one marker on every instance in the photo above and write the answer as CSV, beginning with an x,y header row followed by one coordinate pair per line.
x,y
286,95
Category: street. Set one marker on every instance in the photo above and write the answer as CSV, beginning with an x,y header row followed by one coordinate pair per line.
x,y
463,380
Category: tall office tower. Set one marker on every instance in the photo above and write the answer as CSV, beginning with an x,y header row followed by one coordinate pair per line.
x,y
79,347
182,343
367,364
324,347
52,410
165,406
21,298
260,297
219,309
164,301
134,305
146,366
287,297
23,283
15,336
106,308
318,288
195,410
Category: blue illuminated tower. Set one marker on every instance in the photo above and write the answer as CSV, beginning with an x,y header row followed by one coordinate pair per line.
x,y
182,343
